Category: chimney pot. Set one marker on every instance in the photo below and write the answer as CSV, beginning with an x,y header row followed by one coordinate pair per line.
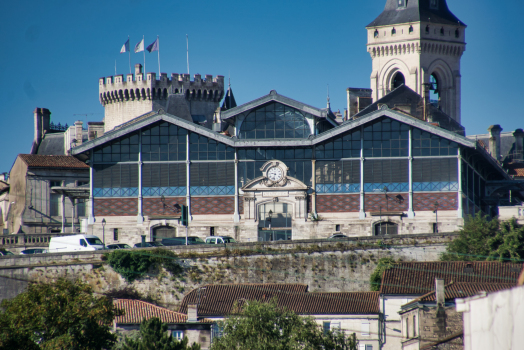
x,y
192,313
440,292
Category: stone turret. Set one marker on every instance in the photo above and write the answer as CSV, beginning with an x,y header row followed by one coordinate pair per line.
x,y
127,98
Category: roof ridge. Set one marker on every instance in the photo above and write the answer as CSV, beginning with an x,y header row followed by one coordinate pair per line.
x,y
146,302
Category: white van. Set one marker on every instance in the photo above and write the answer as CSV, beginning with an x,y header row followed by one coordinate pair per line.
x,y
75,243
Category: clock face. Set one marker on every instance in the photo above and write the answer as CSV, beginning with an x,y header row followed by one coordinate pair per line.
x,y
275,174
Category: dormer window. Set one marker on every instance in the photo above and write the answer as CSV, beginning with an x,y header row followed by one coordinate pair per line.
x,y
393,31
433,4
410,29
401,3
376,33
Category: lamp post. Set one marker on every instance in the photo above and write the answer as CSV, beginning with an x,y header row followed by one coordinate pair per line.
x,y
104,231
436,216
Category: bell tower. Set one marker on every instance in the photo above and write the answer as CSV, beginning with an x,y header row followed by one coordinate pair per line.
x,y
418,43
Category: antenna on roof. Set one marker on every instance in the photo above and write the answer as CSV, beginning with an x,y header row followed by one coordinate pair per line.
x,y
328,102
187,45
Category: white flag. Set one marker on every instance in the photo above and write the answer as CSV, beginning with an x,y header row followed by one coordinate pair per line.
x,y
125,47
140,46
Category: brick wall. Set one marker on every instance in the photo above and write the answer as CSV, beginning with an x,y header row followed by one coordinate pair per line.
x,y
346,203
376,201
426,201
212,205
154,206
116,206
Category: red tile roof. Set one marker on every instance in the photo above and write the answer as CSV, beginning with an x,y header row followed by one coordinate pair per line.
x,y
41,161
463,290
136,310
419,277
218,300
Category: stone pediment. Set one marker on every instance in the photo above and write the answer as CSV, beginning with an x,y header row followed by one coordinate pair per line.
x,y
262,184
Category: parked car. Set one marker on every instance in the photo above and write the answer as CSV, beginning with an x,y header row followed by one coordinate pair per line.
x,y
182,241
75,243
33,251
337,236
4,252
149,245
220,240
118,246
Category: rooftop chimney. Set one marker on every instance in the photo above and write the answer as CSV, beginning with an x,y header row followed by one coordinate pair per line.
x,y
42,117
94,130
494,141
78,132
192,313
519,147
439,292
138,69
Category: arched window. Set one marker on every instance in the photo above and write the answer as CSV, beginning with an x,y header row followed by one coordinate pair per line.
x,y
434,91
457,33
376,33
393,31
427,29
410,29
442,31
386,228
275,121
398,80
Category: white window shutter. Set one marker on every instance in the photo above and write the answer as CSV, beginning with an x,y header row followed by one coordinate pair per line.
x,y
365,328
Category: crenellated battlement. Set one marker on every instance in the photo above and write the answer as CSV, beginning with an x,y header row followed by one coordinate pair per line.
x,y
137,87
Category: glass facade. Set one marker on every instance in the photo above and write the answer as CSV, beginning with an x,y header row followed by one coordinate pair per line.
x,y
275,121
384,145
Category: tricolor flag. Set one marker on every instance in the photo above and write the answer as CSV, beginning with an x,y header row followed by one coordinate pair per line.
x,y
125,48
140,46
153,46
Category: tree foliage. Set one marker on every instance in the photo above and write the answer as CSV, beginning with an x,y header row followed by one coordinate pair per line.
x,y
59,315
153,336
132,264
266,326
484,239
375,280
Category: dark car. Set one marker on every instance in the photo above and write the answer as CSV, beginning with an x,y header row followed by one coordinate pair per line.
x,y
337,236
182,241
149,245
33,251
4,252
118,246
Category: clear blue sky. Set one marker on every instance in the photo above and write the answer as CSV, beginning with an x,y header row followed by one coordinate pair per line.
x,y
53,52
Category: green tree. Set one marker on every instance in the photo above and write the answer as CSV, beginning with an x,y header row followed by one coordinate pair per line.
x,y
375,280
153,336
266,326
60,315
484,239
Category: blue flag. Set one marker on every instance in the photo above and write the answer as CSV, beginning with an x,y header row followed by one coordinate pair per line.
x,y
153,46
125,47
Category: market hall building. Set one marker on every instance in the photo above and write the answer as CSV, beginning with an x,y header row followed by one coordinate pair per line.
x,y
284,170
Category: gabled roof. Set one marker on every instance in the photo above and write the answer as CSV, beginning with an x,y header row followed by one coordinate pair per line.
x,y
135,311
229,100
218,300
412,278
455,290
273,96
384,111
415,11
42,161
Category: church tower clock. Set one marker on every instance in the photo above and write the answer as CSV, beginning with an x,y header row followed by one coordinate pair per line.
x,y
418,43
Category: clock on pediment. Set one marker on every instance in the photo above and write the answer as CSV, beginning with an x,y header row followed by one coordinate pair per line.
x,y
274,173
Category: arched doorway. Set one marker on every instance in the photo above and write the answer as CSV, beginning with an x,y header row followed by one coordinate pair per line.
x,y
398,80
161,232
275,222
386,228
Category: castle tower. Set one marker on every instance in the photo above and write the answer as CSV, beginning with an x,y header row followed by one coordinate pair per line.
x,y
418,43
127,98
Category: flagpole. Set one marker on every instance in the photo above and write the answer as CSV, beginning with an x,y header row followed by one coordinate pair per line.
x,y
145,71
129,51
187,43
158,52
115,68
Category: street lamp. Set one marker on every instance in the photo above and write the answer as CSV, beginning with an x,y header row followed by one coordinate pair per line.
x,y
104,231
436,216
